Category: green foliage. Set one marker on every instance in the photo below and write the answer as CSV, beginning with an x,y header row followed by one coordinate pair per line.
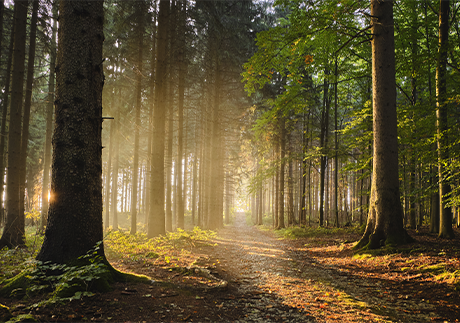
x,y
65,282
312,232
120,244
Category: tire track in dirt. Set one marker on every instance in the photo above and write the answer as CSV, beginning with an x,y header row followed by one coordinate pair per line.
x,y
280,282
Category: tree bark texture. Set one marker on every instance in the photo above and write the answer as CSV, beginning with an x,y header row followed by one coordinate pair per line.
x,y
75,212
13,233
385,219
445,217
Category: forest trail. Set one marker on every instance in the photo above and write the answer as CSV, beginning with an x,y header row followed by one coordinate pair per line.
x,y
279,281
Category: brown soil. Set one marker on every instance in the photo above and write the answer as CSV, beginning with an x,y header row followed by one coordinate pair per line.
x,y
250,275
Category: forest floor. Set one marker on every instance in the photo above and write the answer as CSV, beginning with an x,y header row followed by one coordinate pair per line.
x,y
250,274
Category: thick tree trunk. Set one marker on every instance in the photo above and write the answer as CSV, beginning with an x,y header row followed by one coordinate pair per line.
x,y
385,219
77,146
13,233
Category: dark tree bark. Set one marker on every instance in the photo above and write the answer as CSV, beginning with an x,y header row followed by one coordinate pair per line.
x,y
157,196
13,233
324,137
3,133
385,219
49,123
445,223
75,213
282,122
27,105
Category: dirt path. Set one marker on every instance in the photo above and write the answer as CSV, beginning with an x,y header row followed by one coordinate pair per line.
x,y
279,281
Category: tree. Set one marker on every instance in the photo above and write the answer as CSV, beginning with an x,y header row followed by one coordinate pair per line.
x,y
49,121
157,209
445,223
75,211
27,105
13,233
385,218
140,11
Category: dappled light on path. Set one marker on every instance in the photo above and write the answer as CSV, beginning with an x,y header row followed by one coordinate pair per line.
x,y
312,283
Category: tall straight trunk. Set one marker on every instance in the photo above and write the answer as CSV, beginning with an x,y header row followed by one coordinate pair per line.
x,y
385,219
49,122
169,167
3,133
277,185
150,116
108,175
27,105
157,194
282,127
116,153
336,157
180,105
445,224
14,230
323,145
137,119
290,188
75,213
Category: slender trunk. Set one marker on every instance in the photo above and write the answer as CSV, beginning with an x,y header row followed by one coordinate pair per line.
x,y
323,145
137,118
27,105
13,233
3,133
282,166
445,224
157,195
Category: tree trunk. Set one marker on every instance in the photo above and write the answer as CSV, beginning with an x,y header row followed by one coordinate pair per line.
x,y
27,105
77,146
385,219
445,223
323,145
181,92
14,230
140,8
3,133
49,122
157,195
282,166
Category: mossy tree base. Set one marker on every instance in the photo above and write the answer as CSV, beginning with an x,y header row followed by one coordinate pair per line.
x,y
23,284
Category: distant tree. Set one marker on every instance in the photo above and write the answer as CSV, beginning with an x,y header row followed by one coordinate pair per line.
x,y
49,122
156,223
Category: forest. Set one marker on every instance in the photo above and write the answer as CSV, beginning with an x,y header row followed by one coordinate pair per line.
x,y
255,156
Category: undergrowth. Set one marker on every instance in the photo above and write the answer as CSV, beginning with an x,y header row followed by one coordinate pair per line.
x,y
120,244
312,232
